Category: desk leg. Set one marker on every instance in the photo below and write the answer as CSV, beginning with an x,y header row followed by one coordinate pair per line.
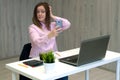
x,y
14,76
118,70
87,75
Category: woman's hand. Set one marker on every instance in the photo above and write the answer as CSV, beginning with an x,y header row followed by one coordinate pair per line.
x,y
54,32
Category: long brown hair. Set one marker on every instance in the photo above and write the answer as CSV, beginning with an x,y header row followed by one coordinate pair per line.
x,y
47,19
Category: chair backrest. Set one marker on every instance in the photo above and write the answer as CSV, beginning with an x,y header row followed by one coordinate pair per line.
x,y
25,52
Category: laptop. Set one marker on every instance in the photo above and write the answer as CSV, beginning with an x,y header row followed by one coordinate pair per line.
x,y
90,50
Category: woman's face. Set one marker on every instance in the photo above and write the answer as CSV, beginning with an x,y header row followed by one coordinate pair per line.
x,y
41,14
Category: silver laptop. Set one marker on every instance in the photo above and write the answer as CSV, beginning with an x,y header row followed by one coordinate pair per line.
x,y
90,50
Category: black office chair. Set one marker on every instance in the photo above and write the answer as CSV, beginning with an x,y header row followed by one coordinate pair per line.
x,y
25,55
25,52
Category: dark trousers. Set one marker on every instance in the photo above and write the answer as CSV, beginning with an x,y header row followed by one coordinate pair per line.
x,y
25,78
63,78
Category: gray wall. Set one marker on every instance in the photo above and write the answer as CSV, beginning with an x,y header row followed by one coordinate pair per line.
x,y
89,18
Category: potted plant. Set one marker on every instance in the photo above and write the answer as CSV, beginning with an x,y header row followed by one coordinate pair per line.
x,y
48,60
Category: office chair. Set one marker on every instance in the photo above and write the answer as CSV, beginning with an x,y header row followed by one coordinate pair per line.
x,y
25,52
25,55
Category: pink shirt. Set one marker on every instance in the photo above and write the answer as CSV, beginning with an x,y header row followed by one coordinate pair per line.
x,y
39,39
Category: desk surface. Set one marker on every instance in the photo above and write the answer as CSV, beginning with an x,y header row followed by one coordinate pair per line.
x,y
61,69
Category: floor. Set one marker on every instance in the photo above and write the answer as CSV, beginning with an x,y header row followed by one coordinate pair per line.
x,y
95,74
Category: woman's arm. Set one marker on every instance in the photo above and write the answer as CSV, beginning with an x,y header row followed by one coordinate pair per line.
x,y
65,23
37,38
41,39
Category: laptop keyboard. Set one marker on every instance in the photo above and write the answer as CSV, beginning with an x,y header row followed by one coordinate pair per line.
x,y
72,59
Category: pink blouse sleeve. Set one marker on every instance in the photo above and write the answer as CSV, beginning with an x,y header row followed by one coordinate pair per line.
x,y
37,37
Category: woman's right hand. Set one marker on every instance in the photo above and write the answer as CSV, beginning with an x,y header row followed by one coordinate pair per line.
x,y
54,32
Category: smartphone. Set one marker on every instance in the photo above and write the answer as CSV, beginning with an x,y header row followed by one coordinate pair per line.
x,y
59,23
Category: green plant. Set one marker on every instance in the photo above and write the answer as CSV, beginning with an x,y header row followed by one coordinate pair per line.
x,y
47,57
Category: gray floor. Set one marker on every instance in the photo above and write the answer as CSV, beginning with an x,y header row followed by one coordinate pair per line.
x,y
95,74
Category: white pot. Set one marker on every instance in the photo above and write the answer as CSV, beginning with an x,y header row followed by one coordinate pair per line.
x,y
49,67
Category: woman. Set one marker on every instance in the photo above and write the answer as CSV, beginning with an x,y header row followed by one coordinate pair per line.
x,y
43,32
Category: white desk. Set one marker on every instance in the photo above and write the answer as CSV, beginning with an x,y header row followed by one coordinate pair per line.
x,y
63,69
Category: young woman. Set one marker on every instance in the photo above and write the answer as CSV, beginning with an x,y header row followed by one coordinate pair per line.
x,y
43,32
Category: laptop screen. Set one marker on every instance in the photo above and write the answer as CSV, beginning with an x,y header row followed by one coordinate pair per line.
x,y
90,50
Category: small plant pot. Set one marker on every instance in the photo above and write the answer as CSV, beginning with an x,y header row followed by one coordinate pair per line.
x,y
49,67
